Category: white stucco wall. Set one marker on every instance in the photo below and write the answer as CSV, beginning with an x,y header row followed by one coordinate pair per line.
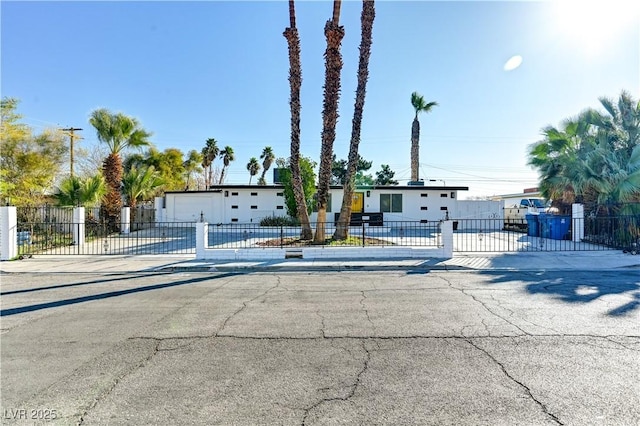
x,y
249,204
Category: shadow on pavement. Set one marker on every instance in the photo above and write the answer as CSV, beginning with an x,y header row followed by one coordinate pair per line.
x,y
99,296
577,287
122,277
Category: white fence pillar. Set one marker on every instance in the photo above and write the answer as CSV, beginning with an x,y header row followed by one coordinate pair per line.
x,y
202,239
158,205
577,222
447,238
125,220
78,226
8,233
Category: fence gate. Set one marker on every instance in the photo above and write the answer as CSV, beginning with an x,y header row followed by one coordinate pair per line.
x,y
52,231
548,233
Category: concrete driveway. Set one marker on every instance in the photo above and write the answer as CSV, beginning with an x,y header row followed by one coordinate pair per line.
x,y
370,347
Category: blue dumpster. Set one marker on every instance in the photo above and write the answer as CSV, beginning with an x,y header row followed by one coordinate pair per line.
x,y
545,226
559,226
533,230
555,227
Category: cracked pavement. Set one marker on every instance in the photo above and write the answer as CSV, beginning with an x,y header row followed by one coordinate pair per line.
x,y
392,347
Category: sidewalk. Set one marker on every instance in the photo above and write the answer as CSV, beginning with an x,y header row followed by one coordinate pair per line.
x,y
535,261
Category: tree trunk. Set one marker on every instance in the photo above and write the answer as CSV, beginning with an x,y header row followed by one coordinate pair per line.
x,y
333,66
112,203
295,82
368,15
415,149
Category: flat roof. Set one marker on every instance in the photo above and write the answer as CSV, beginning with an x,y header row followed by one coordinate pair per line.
x,y
219,188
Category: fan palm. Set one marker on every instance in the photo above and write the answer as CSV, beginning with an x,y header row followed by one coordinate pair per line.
x,y
334,34
419,105
139,185
227,156
75,191
253,167
366,20
592,158
295,82
268,158
119,132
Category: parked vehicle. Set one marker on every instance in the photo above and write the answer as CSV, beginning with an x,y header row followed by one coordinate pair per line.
x,y
515,215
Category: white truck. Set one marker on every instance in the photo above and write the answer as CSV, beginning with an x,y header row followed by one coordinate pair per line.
x,y
515,214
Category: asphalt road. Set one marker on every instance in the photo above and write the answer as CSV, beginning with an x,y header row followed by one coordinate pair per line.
x,y
392,347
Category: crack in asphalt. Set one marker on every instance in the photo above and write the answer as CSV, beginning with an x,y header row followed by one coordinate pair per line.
x,y
116,381
244,306
373,338
484,305
322,319
353,386
366,311
544,408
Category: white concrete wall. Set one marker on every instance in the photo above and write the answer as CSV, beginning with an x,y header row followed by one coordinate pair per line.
x,y
478,209
8,233
444,251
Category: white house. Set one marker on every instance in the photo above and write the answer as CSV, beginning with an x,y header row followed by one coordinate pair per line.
x,y
251,203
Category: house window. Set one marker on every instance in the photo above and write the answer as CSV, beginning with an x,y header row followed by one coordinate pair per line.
x,y
253,194
280,194
424,195
234,194
443,208
424,208
391,203
453,195
234,207
279,207
443,195
235,219
254,207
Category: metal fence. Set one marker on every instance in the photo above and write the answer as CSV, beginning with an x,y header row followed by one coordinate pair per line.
x,y
237,236
552,233
58,239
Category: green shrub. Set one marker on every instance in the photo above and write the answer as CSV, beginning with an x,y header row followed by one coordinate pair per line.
x,y
279,221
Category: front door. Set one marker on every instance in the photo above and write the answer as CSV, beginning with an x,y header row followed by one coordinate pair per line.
x,y
357,205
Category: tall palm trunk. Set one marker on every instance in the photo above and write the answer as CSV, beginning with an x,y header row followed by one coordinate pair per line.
x,y
333,66
366,20
295,82
112,204
415,149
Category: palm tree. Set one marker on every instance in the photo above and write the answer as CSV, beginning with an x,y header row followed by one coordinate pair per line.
x,y
139,185
227,156
366,21
295,82
593,158
419,105
268,158
253,167
333,66
119,132
209,153
75,191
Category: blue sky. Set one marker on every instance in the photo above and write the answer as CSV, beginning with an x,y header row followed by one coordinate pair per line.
x,y
194,70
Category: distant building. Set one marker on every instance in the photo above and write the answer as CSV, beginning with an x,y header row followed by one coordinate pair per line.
x,y
510,200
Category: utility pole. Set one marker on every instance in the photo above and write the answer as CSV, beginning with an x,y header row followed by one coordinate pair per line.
x,y
71,137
